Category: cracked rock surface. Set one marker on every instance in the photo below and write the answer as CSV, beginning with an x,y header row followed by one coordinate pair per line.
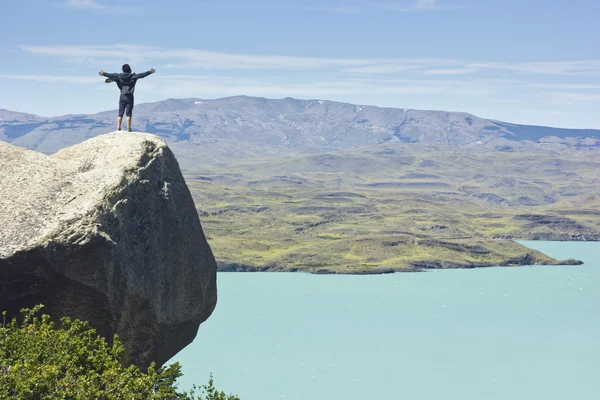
x,y
106,231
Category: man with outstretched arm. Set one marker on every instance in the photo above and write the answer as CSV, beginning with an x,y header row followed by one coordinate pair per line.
x,y
126,82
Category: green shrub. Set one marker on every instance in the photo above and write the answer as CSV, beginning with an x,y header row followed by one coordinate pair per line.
x,y
40,361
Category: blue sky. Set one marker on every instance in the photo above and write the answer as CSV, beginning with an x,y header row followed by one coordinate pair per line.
x,y
534,62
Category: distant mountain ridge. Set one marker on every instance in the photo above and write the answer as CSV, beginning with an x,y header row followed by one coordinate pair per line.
x,y
289,126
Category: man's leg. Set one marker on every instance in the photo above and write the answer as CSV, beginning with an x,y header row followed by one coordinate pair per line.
x,y
122,104
129,111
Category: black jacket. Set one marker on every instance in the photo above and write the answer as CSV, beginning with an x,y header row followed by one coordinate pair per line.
x,y
126,81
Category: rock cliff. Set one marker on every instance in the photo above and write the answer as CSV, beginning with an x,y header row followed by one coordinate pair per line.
x,y
106,231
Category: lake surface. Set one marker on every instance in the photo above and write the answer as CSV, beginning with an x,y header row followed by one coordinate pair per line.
x,y
498,333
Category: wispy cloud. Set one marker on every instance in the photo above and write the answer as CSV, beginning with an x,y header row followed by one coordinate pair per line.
x,y
191,72
85,5
574,97
587,67
178,85
567,86
385,67
337,10
183,85
101,7
79,80
102,56
426,4
451,71
190,58
421,5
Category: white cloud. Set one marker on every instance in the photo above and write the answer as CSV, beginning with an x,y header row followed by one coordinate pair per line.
x,y
566,86
382,67
97,6
189,72
587,67
575,97
420,5
80,80
184,85
425,4
190,58
85,4
104,56
451,71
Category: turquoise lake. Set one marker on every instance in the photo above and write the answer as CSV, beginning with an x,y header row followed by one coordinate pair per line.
x,y
497,333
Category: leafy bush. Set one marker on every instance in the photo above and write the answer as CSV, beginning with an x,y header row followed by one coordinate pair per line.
x,y
40,361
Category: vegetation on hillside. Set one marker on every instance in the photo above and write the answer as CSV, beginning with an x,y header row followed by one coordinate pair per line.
x,y
396,208
40,361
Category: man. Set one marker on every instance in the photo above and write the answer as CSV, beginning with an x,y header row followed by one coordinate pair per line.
x,y
126,83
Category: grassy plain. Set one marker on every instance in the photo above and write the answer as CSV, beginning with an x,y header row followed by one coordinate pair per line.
x,y
396,208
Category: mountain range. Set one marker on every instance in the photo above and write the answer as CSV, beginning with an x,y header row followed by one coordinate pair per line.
x,y
245,127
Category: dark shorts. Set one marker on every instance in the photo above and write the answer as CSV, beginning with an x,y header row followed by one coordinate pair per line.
x,y
125,105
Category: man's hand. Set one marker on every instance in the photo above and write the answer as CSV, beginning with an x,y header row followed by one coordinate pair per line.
x,y
101,73
152,70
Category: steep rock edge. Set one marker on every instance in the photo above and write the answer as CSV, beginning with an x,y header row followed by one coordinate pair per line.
x,y
107,231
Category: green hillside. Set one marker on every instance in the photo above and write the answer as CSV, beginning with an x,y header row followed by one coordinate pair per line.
x,y
396,208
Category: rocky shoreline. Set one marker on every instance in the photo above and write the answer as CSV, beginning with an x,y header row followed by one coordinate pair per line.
x,y
528,260
553,237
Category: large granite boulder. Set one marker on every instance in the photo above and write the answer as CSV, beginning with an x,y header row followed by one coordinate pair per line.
x,y
106,231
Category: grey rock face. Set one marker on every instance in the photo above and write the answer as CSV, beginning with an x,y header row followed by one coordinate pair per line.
x,y
106,231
